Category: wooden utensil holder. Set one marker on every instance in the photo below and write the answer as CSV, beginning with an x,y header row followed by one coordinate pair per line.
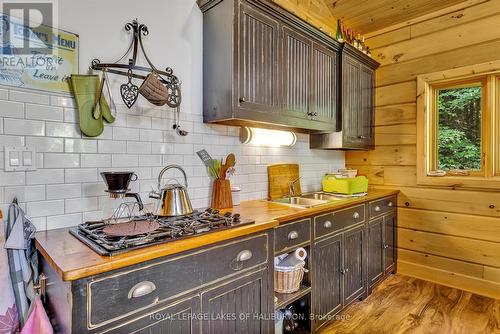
x,y
221,194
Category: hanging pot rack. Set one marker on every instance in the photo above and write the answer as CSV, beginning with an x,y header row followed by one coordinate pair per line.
x,y
130,70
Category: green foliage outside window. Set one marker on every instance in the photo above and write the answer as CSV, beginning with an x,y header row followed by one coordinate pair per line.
x,y
459,128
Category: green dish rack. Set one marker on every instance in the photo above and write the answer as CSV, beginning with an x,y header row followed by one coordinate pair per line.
x,y
347,186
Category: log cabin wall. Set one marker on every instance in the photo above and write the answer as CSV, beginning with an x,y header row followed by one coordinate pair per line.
x,y
448,236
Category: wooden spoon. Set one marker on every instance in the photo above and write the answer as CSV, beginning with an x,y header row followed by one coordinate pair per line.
x,y
230,162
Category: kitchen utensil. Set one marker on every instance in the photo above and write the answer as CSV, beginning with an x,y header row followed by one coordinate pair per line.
x,y
112,106
174,96
96,111
84,88
230,162
131,228
221,194
279,178
177,126
172,199
129,91
208,162
117,188
153,90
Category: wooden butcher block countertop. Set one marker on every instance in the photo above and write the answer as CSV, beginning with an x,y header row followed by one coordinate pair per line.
x,y
72,259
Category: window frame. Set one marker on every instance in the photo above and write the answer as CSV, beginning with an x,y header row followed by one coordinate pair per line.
x,y
427,124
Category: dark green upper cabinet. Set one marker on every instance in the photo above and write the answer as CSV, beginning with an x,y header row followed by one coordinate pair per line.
x,y
263,67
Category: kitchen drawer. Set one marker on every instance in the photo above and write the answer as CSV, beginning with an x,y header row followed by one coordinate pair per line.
x,y
338,220
382,206
291,235
115,296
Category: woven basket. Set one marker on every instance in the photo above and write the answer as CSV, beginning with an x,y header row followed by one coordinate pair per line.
x,y
153,90
288,279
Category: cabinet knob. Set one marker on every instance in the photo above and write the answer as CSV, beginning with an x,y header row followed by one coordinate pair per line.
x,y
327,224
390,204
386,246
362,137
355,215
141,289
243,100
293,235
344,271
377,208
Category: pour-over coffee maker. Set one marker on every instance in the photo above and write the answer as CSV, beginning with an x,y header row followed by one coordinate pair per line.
x,y
117,188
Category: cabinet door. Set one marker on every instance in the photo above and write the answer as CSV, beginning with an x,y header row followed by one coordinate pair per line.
x,y
178,318
367,107
258,57
375,250
324,84
327,280
354,258
297,51
351,99
389,243
235,306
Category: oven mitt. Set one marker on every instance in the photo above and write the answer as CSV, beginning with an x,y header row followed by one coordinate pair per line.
x,y
85,88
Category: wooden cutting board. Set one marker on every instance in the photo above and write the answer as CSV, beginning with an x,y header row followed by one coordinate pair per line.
x,y
279,178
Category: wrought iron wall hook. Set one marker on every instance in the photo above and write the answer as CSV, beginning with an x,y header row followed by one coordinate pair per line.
x,y
132,70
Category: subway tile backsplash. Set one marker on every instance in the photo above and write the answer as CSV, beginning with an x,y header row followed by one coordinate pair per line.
x,y
66,188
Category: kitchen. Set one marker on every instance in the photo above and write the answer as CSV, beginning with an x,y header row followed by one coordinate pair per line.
x,y
293,73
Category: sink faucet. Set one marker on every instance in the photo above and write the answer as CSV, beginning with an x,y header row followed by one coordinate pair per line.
x,y
291,191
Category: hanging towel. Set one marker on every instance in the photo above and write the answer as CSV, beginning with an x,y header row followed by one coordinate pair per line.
x,y
38,322
9,319
22,260
85,89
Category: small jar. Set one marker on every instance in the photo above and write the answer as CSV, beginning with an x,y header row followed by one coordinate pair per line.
x,y
235,191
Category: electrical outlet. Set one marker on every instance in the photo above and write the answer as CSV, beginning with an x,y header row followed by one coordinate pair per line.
x,y
19,158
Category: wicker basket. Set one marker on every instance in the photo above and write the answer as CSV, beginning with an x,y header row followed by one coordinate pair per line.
x,y
288,279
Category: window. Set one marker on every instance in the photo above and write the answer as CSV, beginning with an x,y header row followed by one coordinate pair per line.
x,y
458,128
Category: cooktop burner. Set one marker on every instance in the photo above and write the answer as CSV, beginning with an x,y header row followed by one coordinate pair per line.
x,y
93,233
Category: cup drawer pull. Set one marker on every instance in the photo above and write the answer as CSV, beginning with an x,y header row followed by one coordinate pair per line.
x,y
141,289
327,224
293,235
355,215
244,255
390,204
377,208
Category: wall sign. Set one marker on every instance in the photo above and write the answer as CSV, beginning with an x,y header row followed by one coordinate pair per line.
x,y
47,70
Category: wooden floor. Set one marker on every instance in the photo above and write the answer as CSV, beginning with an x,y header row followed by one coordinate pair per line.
x,y
408,305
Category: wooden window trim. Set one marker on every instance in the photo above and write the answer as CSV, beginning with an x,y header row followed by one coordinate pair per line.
x,y
489,76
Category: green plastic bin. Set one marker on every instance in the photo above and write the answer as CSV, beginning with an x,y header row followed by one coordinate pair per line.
x,y
347,186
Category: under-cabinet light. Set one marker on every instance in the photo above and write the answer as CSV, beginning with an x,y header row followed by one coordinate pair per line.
x,y
266,137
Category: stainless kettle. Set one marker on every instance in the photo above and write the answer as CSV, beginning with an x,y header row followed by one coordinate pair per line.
x,y
173,199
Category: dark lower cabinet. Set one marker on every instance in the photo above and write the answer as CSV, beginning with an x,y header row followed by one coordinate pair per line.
x,y
375,250
175,318
238,306
327,286
389,243
354,263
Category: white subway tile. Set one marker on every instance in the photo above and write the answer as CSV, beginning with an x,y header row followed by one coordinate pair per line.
x,y
138,147
61,160
23,127
150,160
62,101
81,204
1,126
45,208
39,222
4,94
80,175
45,144
162,148
80,145
11,109
10,141
62,191
26,193
96,160
62,221
125,160
55,129
120,133
21,96
70,115
42,112
92,216
93,189
134,121
151,135
110,146
45,176
12,178
183,149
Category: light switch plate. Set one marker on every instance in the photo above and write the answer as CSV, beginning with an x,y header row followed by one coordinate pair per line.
x,y
19,158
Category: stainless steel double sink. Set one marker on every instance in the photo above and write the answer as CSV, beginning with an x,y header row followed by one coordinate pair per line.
x,y
309,200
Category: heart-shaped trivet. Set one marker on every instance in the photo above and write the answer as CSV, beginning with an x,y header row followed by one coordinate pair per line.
x,y
129,92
